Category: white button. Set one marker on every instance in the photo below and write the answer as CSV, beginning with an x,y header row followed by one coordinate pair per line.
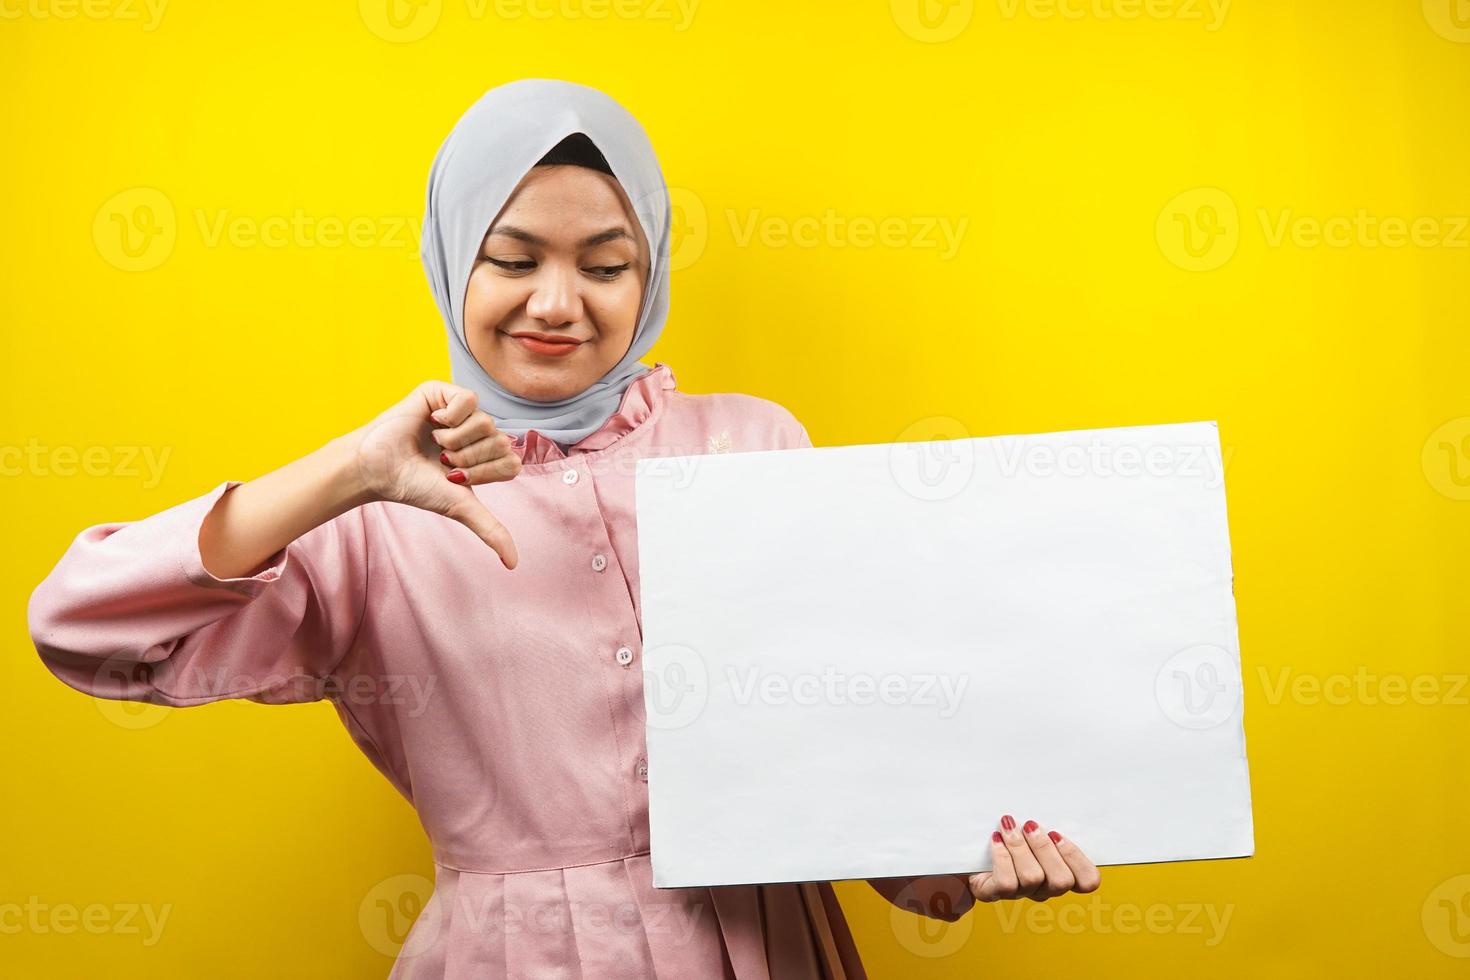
x,y
599,562
643,770
569,477
625,656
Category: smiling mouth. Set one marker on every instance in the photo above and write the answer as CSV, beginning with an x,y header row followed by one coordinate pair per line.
x,y
546,345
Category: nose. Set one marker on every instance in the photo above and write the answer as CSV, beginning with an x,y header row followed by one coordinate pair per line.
x,y
554,299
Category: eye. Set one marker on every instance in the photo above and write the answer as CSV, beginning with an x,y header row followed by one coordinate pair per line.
x,y
609,271
520,266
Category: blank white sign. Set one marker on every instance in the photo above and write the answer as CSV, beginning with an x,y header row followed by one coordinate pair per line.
x,y
857,658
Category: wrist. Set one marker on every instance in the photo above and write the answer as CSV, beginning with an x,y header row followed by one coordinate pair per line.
x,y
343,461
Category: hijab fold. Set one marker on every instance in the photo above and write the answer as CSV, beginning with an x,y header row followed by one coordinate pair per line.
x,y
493,145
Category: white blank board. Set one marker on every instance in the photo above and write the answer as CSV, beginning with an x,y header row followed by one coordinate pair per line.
x,y
857,658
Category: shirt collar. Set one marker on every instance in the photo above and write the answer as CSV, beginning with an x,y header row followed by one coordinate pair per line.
x,y
640,399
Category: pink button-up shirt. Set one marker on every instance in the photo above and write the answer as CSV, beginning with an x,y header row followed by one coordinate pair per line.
x,y
523,748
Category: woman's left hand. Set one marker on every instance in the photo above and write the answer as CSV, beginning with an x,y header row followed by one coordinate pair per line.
x,y
1032,862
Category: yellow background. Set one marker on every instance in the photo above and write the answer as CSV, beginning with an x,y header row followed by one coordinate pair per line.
x,y
1077,143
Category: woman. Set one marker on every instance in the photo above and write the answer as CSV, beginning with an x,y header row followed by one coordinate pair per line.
x,y
546,243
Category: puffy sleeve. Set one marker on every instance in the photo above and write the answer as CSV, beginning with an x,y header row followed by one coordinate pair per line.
x,y
130,612
791,434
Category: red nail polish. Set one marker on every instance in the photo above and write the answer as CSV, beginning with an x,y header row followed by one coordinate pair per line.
x,y
1008,822
995,836
457,476
444,458
1055,837
1031,826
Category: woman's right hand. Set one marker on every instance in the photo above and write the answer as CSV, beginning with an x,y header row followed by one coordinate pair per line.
x,y
398,458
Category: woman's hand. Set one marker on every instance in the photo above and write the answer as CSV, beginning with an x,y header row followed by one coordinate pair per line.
x,y
399,459
1031,862
1027,862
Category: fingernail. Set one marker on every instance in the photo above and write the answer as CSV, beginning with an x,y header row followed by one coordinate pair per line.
x,y
435,419
1055,837
1031,826
456,476
1008,822
444,458
995,836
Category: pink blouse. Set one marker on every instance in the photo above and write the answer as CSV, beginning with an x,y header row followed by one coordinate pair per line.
x,y
522,748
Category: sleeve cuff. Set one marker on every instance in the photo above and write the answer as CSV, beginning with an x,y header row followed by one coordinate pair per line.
x,y
193,562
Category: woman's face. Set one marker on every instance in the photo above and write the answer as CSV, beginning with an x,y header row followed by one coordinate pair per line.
x,y
555,292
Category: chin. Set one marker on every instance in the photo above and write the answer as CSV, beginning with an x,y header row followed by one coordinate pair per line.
x,y
548,384
550,391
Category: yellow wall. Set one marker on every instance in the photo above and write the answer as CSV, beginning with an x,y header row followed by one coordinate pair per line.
x,y
1066,148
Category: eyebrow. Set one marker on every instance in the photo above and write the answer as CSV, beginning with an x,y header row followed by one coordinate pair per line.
x,y
511,231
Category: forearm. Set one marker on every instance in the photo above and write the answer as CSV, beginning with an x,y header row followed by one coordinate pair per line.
x,y
261,516
946,897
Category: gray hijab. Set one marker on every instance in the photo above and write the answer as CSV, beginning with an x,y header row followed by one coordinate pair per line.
x,y
494,144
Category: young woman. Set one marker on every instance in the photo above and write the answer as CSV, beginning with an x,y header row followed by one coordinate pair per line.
x,y
546,243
